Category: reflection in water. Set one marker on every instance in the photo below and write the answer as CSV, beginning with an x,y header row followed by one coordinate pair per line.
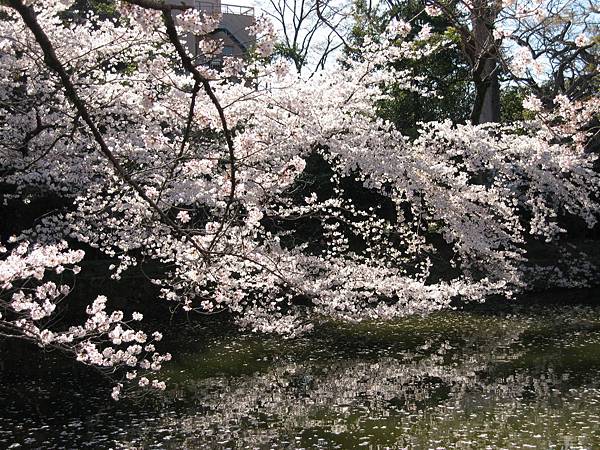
x,y
530,379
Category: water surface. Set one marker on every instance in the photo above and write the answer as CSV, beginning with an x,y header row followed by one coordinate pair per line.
x,y
524,378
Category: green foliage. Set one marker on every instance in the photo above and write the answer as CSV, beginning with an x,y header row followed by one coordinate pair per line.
x,y
452,34
511,99
289,53
444,73
103,10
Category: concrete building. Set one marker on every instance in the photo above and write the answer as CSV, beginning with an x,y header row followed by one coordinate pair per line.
x,y
232,29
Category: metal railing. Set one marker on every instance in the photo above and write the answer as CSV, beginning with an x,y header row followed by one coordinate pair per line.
x,y
225,8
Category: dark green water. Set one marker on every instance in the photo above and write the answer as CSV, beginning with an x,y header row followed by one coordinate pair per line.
x,y
528,378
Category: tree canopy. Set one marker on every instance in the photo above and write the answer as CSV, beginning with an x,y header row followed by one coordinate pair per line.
x,y
207,173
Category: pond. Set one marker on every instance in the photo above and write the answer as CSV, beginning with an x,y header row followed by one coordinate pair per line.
x,y
527,377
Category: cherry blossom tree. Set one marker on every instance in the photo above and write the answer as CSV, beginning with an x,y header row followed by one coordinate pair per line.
x,y
109,342
560,38
547,46
164,160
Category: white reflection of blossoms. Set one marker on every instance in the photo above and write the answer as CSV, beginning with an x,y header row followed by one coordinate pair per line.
x,y
297,396
437,391
225,212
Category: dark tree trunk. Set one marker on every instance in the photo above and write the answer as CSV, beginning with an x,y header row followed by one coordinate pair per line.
x,y
486,106
484,63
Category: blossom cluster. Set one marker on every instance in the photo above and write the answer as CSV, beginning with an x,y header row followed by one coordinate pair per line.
x,y
221,192
27,305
